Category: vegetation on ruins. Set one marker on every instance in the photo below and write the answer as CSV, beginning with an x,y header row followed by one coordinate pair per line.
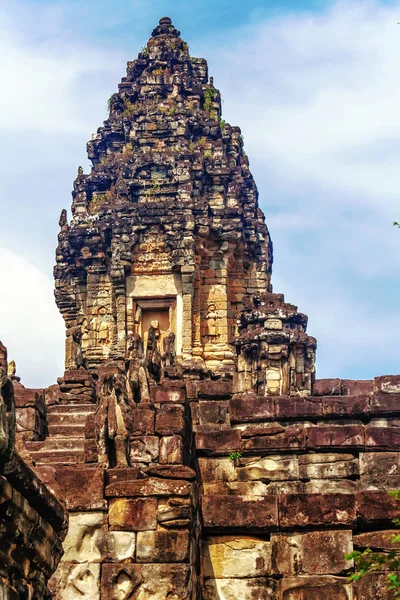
x,y
369,561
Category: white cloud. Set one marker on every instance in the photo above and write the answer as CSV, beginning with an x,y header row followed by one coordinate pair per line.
x,y
30,325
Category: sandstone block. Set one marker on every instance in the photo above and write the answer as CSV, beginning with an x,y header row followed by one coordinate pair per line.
x,y
248,408
162,546
144,449
387,384
133,514
214,413
304,510
379,540
216,469
336,436
377,506
374,585
327,466
246,489
226,557
219,442
313,553
379,470
161,394
74,581
383,434
120,581
148,487
289,408
239,512
82,488
293,437
316,588
143,421
327,387
268,468
355,387
259,588
172,472
342,406
385,404
161,581
171,450
84,539
119,546
170,419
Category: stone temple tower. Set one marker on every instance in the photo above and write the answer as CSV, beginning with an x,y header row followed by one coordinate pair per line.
x,y
167,234
196,455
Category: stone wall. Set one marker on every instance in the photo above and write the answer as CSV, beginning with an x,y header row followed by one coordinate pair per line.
x,y
32,522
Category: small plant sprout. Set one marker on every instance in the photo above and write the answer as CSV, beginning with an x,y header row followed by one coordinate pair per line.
x,y
235,455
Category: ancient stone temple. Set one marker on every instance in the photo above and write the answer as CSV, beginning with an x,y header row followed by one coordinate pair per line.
x,y
196,453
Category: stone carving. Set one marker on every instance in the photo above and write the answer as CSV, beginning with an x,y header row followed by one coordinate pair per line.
x,y
113,420
137,377
12,369
153,356
169,353
101,326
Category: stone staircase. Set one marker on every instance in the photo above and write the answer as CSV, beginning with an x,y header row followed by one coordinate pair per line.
x,y
66,436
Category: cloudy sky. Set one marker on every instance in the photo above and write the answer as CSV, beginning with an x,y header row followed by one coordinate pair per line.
x,y
314,86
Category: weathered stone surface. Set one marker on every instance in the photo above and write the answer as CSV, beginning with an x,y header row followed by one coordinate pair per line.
x,y
335,436
133,514
259,588
268,468
383,434
143,421
148,487
251,408
171,450
170,419
144,449
376,540
239,512
219,442
217,469
327,466
346,406
85,533
76,581
303,510
290,408
387,384
82,488
376,506
162,546
373,585
316,588
379,470
226,557
313,553
293,437
355,387
327,387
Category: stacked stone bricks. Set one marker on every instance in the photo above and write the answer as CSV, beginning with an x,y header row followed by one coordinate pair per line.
x,y
243,477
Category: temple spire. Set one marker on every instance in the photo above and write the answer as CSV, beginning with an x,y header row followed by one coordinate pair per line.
x,y
165,27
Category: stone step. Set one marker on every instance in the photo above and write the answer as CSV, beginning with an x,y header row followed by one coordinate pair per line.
x,y
57,457
71,408
67,418
76,430
60,444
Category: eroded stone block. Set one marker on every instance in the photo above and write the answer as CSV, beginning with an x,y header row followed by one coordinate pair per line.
x,y
227,557
133,514
162,546
259,588
268,468
85,533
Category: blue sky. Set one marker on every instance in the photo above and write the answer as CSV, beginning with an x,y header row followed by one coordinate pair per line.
x,y
313,85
